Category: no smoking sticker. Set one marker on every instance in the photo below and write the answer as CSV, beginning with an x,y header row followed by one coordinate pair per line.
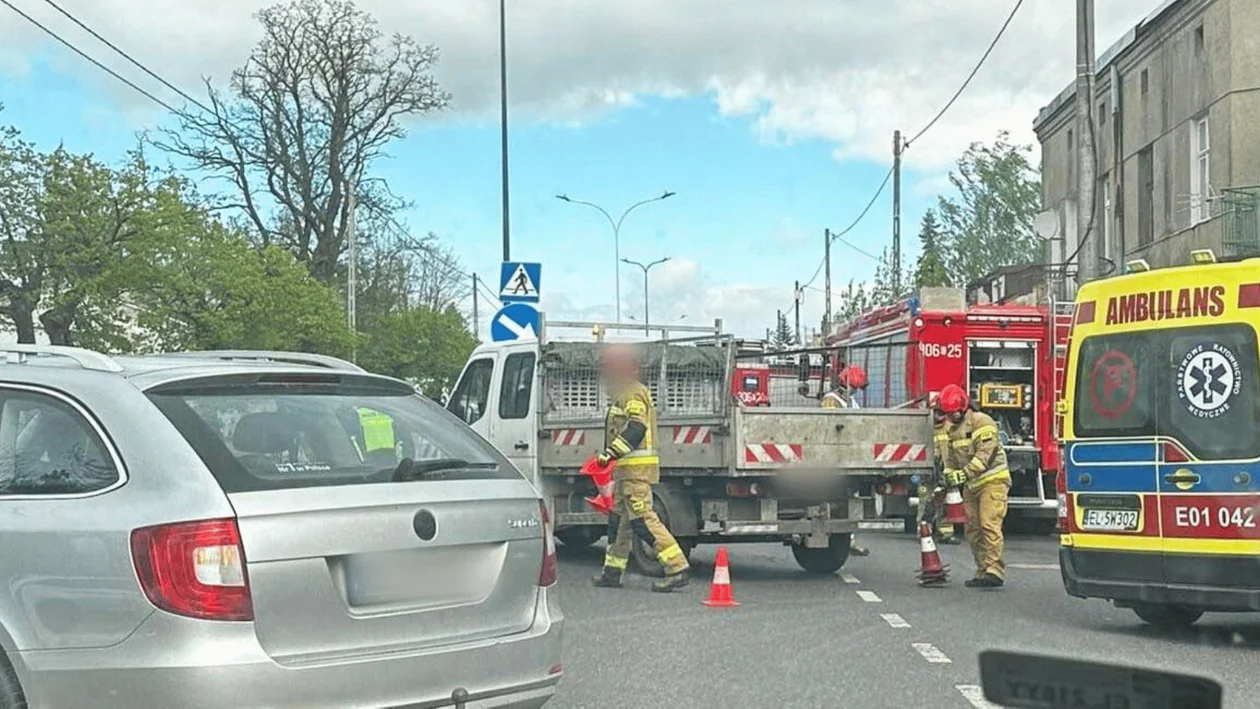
x,y
1209,377
1113,384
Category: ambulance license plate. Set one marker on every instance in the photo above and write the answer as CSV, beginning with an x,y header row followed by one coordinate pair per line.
x,y
1110,520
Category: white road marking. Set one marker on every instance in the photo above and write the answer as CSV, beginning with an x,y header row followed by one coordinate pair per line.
x,y
849,578
895,620
1037,567
869,596
974,694
882,524
931,653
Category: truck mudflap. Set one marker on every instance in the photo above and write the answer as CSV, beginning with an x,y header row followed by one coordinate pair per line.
x,y
844,441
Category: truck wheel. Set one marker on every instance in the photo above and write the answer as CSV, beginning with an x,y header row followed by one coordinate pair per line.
x,y
1167,617
823,560
909,525
579,537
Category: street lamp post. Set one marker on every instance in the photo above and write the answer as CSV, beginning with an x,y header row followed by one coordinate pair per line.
x,y
646,268
616,227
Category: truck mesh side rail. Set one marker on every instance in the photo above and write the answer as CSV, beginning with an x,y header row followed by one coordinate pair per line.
x,y
685,380
800,377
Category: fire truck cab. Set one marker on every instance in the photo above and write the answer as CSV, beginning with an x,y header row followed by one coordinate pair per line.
x,y
1008,357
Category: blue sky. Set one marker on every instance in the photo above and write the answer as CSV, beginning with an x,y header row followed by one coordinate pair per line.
x,y
764,148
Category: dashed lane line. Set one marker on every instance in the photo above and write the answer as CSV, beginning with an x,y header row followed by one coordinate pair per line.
x,y
869,597
931,653
894,620
849,578
974,694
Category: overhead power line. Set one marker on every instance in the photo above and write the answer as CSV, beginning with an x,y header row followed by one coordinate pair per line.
x,y
128,57
70,45
984,57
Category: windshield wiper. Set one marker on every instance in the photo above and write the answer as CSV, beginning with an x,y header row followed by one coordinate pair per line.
x,y
410,469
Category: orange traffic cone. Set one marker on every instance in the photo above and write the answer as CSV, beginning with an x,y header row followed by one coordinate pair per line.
x,y
602,476
721,595
954,511
933,573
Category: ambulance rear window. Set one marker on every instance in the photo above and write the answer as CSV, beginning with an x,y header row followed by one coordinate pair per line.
x,y
1197,385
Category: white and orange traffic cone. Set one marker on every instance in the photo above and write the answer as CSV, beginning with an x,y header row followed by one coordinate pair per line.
x,y
721,594
602,477
955,513
933,572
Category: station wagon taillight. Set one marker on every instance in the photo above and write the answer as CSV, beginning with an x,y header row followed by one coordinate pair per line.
x,y
549,571
194,569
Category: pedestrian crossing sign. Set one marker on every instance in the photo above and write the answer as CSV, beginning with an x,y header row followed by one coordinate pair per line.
x,y
518,282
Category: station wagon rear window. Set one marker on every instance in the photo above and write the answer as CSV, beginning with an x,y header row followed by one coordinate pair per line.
x,y
266,436
1197,385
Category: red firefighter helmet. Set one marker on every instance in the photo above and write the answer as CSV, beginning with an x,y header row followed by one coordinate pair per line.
x,y
952,399
853,377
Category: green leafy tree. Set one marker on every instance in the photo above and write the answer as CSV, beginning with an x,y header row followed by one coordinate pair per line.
x,y
988,223
930,270
884,289
216,291
854,301
424,346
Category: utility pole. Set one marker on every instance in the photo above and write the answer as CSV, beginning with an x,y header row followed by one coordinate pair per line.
x,y
1086,186
796,305
827,283
476,321
896,249
503,128
352,268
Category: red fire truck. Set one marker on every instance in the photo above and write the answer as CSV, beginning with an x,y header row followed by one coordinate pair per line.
x,y
1009,357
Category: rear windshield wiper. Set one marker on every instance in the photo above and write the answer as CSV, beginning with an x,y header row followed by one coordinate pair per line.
x,y
410,469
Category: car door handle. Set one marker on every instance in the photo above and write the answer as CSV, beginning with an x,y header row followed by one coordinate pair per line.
x,y
1182,476
521,446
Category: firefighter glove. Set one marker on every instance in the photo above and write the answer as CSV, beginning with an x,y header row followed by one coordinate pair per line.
x,y
604,458
955,478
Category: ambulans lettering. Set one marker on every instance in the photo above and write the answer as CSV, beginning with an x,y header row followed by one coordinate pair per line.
x,y
1202,301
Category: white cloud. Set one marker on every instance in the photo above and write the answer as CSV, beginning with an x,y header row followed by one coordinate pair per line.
x,y
845,71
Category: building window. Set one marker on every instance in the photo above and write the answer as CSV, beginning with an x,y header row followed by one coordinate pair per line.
x,y
1146,197
1071,159
1106,222
1200,170
1198,41
1146,83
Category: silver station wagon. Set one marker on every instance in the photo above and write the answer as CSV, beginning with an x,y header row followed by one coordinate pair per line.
x,y
259,529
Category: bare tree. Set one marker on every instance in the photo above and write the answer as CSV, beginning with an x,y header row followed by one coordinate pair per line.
x,y
314,106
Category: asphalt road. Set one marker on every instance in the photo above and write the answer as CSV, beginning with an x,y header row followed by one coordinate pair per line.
x,y
868,636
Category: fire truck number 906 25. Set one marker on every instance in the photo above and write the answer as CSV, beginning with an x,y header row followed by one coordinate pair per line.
x,y
936,349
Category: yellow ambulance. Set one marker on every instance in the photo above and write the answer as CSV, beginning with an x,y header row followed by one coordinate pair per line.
x,y
1160,480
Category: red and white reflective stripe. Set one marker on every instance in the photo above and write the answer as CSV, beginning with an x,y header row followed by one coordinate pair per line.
x,y
773,453
693,435
899,452
568,437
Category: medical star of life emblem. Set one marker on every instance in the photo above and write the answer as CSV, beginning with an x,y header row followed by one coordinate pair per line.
x,y
1209,376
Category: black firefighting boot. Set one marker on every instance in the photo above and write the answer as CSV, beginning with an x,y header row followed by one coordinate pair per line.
x,y
672,582
608,578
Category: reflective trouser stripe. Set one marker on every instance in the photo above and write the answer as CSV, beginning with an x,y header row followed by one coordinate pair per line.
x,y
673,551
988,477
639,458
615,562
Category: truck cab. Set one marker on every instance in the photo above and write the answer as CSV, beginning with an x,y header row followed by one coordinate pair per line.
x,y
497,395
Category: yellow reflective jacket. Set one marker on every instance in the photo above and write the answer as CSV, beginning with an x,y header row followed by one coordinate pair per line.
x,y
641,462
972,445
378,430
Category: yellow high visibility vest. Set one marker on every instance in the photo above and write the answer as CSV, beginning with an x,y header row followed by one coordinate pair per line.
x,y
378,430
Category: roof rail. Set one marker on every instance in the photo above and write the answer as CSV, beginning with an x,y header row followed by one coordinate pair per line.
x,y
19,353
307,358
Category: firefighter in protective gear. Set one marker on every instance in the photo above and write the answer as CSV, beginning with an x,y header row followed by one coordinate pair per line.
x,y
975,460
630,432
933,486
850,380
